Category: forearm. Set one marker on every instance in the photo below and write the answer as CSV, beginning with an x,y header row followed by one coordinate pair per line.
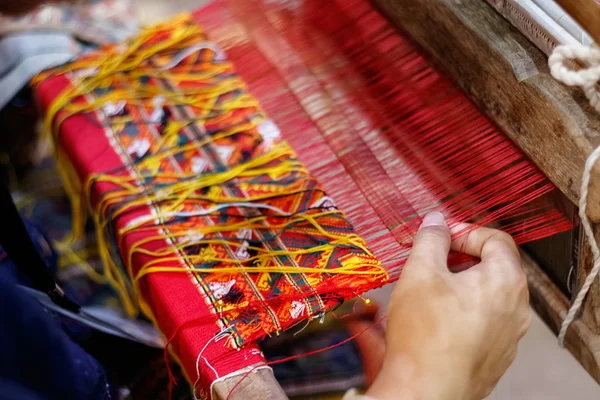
x,y
405,378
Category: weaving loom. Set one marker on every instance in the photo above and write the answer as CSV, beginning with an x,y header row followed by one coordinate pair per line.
x,y
253,166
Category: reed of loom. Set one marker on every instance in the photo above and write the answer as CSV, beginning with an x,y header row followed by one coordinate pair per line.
x,y
508,78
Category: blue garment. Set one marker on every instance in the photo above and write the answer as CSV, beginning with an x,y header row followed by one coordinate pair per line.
x,y
38,360
37,354
43,247
9,390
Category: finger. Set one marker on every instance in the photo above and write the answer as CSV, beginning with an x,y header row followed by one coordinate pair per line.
x,y
431,244
463,266
526,323
485,243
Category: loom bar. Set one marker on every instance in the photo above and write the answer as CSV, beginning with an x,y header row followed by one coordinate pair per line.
x,y
586,12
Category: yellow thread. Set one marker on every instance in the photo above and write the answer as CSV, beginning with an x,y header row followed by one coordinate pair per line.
x,y
71,257
169,192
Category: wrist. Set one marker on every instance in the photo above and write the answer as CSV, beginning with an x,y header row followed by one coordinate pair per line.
x,y
403,378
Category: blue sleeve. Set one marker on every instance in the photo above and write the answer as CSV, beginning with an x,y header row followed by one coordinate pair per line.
x,y
37,354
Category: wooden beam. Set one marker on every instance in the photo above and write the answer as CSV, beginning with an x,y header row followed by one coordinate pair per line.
x,y
586,13
508,78
259,384
552,306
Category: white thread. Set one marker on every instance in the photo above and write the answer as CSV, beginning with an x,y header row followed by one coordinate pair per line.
x,y
144,219
304,327
219,54
215,339
324,202
587,79
211,367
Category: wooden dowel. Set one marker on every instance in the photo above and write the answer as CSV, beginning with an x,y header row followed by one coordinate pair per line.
x,y
258,385
586,13
551,305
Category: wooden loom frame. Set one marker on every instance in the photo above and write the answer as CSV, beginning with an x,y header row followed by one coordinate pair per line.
x,y
508,78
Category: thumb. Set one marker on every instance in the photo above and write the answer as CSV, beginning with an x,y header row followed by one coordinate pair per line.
x,y
431,244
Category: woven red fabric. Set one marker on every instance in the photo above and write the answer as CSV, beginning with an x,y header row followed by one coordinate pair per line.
x,y
174,301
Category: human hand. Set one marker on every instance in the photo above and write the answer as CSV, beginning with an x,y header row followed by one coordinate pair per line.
x,y
451,336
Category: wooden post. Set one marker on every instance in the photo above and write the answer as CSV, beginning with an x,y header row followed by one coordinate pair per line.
x,y
552,306
259,384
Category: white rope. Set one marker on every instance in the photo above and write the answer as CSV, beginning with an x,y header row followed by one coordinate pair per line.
x,y
215,339
589,232
587,78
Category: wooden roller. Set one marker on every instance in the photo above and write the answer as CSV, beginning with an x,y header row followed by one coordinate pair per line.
x,y
586,13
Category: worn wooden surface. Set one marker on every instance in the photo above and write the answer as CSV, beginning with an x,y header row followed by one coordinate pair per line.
x,y
559,255
586,12
259,384
551,305
508,78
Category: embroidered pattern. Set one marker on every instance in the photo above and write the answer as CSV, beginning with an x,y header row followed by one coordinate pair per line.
x,y
208,170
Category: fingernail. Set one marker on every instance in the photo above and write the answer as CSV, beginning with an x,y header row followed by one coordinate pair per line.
x,y
433,219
